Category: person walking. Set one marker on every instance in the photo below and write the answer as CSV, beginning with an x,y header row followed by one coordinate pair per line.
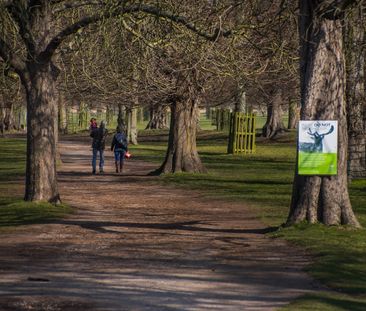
x,y
99,136
93,124
120,147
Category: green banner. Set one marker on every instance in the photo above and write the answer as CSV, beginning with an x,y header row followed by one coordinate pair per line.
x,y
317,163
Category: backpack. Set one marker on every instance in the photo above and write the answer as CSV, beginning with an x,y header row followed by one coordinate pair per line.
x,y
121,141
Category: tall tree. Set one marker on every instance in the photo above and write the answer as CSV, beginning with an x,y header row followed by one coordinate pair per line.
x,y
355,47
322,68
39,38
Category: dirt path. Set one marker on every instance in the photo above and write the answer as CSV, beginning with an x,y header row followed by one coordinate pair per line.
x,y
135,245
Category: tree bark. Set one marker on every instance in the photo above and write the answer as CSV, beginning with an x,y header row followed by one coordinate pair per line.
x,y
132,126
2,115
274,124
240,102
158,118
322,198
7,116
41,177
356,94
121,118
39,80
182,155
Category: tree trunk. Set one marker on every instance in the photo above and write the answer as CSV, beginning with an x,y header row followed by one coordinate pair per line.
x,y
240,103
8,121
132,126
41,177
274,123
140,115
182,155
356,95
158,118
322,198
133,135
293,115
62,114
121,118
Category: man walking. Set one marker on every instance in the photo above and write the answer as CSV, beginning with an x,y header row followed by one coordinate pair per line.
x,y
99,135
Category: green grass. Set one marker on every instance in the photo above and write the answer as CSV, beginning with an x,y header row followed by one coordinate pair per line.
x,y
264,181
12,158
16,212
13,210
324,301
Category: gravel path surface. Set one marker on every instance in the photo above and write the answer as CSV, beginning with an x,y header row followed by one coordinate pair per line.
x,y
136,245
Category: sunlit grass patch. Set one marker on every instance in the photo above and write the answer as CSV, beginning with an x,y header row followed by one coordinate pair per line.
x,y
13,210
12,158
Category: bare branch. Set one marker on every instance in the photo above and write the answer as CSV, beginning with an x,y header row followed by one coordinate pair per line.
x,y
17,11
11,58
76,4
334,9
152,10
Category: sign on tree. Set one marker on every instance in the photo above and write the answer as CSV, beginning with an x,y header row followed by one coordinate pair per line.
x,y
317,147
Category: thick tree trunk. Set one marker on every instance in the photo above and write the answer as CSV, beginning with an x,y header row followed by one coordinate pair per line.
x,y
182,155
322,198
356,95
274,124
293,115
158,118
41,177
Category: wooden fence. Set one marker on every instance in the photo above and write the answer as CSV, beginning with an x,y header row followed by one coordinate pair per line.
x,y
242,133
221,118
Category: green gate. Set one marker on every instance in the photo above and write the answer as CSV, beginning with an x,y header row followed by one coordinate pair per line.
x,y
242,133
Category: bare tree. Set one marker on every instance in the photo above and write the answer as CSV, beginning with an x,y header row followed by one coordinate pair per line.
x,y
322,66
32,25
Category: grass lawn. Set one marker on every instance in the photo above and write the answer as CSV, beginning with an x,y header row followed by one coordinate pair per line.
x,y
264,181
13,210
